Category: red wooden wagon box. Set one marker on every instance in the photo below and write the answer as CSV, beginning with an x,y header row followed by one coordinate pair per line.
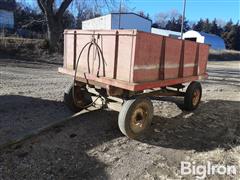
x,y
124,63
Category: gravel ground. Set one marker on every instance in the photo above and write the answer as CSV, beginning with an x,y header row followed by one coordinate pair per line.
x,y
30,97
90,146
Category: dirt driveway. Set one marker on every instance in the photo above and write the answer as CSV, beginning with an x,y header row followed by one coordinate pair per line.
x,y
91,146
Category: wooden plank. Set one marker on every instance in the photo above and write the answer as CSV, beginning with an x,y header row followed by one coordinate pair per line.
x,y
181,64
103,81
116,55
196,62
162,59
74,49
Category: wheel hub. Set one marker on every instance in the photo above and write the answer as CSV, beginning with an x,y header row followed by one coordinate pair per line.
x,y
196,97
78,96
138,120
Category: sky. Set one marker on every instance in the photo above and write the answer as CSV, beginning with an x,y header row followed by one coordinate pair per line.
x,y
195,9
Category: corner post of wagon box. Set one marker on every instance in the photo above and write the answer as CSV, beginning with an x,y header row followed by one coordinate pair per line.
x,y
183,17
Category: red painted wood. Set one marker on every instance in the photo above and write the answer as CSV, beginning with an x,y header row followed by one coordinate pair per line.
x,y
143,60
103,81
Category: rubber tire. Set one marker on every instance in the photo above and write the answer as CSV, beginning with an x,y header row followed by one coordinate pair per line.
x,y
126,113
188,104
69,101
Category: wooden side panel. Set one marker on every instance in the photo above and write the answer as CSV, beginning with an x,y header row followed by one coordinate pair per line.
x,y
203,58
134,57
190,51
82,62
180,58
147,57
106,40
172,58
125,50
68,51
65,52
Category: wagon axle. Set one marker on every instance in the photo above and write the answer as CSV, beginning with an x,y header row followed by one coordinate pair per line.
x,y
136,113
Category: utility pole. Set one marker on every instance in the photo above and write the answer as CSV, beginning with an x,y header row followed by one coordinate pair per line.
x,y
183,17
120,11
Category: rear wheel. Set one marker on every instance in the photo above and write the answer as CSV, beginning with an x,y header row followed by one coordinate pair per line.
x,y
135,117
77,98
193,96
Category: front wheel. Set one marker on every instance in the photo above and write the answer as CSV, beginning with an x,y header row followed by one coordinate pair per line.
x,y
135,117
193,96
76,98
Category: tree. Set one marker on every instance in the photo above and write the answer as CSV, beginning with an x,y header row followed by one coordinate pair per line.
x,y
226,29
29,19
161,20
238,37
198,26
231,35
206,26
233,38
142,14
54,18
68,20
175,24
215,29
228,26
54,10
171,20
84,12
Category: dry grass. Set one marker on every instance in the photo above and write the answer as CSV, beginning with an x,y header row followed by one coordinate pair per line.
x,y
27,49
224,55
15,43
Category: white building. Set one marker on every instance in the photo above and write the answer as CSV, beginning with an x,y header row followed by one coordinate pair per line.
x,y
7,14
118,21
135,21
164,32
214,41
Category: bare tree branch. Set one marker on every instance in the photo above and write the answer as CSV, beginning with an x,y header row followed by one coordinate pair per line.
x,y
46,6
54,16
41,6
32,22
63,7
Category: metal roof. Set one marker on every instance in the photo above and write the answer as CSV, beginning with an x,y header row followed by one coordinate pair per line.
x,y
134,14
165,32
213,40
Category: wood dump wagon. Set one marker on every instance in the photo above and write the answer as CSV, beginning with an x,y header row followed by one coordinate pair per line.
x,y
132,66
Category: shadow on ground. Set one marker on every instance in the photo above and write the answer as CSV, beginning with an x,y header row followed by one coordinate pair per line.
x,y
21,115
62,151
65,150
214,124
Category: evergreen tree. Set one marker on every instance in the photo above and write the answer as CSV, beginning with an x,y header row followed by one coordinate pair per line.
x,y
198,26
176,24
206,26
225,35
238,37
232,38
173,25
215,29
